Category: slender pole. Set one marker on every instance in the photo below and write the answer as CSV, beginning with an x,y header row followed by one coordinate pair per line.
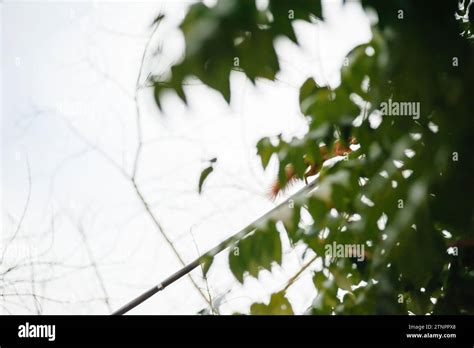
x,y
216,250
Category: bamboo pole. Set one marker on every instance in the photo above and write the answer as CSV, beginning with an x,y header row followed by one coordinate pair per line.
x,y
261,221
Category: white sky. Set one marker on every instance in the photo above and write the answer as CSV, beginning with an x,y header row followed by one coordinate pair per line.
x,y
68,70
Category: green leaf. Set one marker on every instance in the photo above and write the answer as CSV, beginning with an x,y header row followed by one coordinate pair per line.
x,y
302,9
255,252
317,208
341,279
265,150
278,305
206,264
204,174
437,195
307,90
421,254
318,279
157,89
236,266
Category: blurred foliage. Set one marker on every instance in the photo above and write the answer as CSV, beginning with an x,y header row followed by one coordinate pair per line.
x,y
406,193
279,305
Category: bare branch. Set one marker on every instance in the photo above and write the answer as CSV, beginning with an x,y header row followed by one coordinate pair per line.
x,y
95,267
25,209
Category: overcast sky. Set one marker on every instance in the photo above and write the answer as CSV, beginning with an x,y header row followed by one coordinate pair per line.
x,y
69,71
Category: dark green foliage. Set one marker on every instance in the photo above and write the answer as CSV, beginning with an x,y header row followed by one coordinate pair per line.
x,y
255,252
412,173
233,30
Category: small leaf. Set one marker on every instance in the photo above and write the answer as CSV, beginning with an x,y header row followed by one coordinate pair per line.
x,y
279,305
236,266
309,87
257,251
204,311
156,94
158,19
204,174
206,263
265,150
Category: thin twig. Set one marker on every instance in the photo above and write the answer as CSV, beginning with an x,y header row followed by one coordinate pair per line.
x,y
98,275
137,159
204,276
273,214
293,279
23,214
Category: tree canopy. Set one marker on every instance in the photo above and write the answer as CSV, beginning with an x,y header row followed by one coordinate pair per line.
x,y
405,192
